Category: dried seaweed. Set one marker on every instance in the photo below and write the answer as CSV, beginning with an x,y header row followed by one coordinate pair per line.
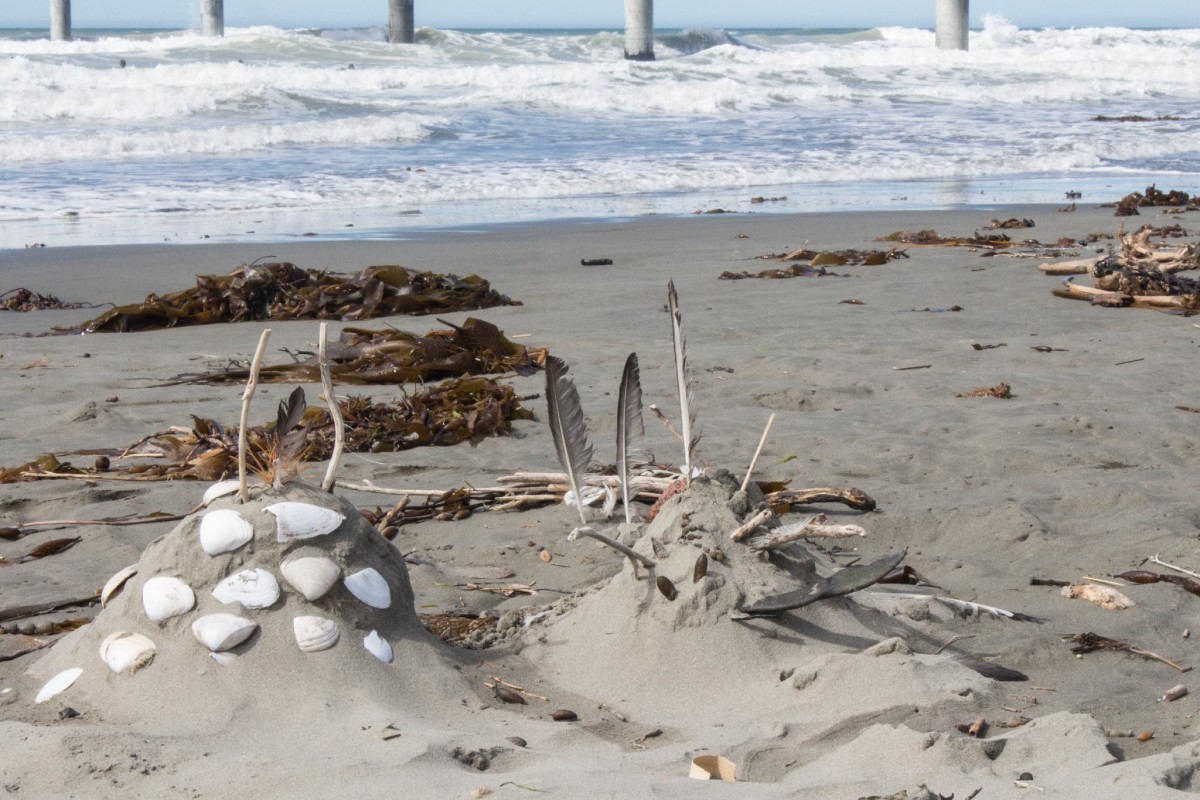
x,y
1128,205
1091,642
27,300
283,291
1012,222
817,261
930,237
462,410
796,271
390,356
1001,391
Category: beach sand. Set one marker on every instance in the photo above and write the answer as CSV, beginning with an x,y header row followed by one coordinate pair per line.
x,y
1087,470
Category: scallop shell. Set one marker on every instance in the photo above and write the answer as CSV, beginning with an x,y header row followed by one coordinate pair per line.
x,y
164,598
58,684
303,520
370,587
124,651
114,584
224,530
253,588
378,647
220,489
220,632
311,576
315,633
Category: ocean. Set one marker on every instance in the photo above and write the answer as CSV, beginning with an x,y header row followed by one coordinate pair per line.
x,y
267,134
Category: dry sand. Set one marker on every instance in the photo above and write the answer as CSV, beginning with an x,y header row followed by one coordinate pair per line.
x,y
1088,470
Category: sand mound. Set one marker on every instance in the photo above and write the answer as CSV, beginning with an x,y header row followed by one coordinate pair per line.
x,y
268,672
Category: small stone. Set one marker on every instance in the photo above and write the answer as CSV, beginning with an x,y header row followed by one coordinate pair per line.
x,y
1025,776
480,762
518,741
68,713
564,715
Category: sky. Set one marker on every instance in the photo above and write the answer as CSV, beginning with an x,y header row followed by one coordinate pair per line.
x,y
605,13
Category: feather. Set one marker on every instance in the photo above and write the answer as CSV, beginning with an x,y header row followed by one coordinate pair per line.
x,y
629,423
966,609
567,426
686,412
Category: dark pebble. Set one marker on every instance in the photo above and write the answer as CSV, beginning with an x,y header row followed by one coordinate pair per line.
x,y
68,713
1025,776
518,741
564,715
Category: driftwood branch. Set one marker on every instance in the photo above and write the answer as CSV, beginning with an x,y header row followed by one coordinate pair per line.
x,y
629,552
811,529
251,383
335,413
749,526
762,441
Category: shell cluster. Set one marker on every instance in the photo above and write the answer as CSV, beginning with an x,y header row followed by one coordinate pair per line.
x,y
245,593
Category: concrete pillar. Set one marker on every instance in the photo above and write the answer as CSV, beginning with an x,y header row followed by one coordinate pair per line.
x,y
952,25
60,20
639,30
401,25
212,17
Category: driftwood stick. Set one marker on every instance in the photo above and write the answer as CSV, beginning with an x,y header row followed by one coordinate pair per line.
x,y
762,441
1154,559
20,612
807,530
854,498
54,523
630,553
251,383
1077,267
335,413
748,527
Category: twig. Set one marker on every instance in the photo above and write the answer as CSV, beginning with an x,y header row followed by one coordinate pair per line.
x,y
762,441
808,530
1104,581
53,523
251,383
335,413
629,552
1154,559
516,688
663,419
748,527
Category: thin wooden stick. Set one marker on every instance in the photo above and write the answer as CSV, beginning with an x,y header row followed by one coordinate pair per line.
x,y
1155,560
335,413
762,441
1104,581
629,552
54,523
807,530
251,383
747,527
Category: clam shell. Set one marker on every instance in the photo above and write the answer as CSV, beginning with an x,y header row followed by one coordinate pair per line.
x,y
220,489
124,651
224,530
370,587
114,584
303,520
58,684
164,598
224,659
253,588
311,576
220,632
378,647
315,633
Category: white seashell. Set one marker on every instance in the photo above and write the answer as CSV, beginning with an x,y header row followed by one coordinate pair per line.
x,y
315,633
114,584
303,520
378,647
220,489
370,587
224,530
59,683
253,588
124,651
222,631
311,576
164,598
224,659
7,695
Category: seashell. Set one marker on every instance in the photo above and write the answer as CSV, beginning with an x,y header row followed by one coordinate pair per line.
x,y
315,633
58,684
666,587
124,651
224,530
303,520
224,659
253,588
222,631
220,489
114,584
311,576
370,587
378,647
164,598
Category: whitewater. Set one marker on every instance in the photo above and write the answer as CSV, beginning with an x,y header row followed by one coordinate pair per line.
x,y
150,136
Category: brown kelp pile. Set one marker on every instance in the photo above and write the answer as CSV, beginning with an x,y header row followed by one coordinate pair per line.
x,y
1142,273
365,357
283,291
1128,205
28,300
815,262
463,410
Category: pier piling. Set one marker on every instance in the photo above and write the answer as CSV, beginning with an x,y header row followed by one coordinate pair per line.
x,y
952,25
401,25
60,20
212,17
639,30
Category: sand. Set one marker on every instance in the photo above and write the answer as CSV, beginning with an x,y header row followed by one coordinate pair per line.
x,y
1088,470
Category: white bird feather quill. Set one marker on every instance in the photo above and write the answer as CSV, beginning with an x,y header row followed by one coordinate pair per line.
x,y
567,427
629,424
687,412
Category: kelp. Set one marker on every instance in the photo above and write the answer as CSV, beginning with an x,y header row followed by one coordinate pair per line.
x,y
933,238
283,291
1128,205
391,356
817,261
27,300
461,410
794,271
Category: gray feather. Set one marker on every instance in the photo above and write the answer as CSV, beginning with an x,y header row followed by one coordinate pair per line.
x,y
567,426
629,423
687,411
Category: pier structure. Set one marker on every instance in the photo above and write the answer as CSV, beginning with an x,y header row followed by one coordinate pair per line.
x,y
60,20
639,30
212,17
951,28
401,25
